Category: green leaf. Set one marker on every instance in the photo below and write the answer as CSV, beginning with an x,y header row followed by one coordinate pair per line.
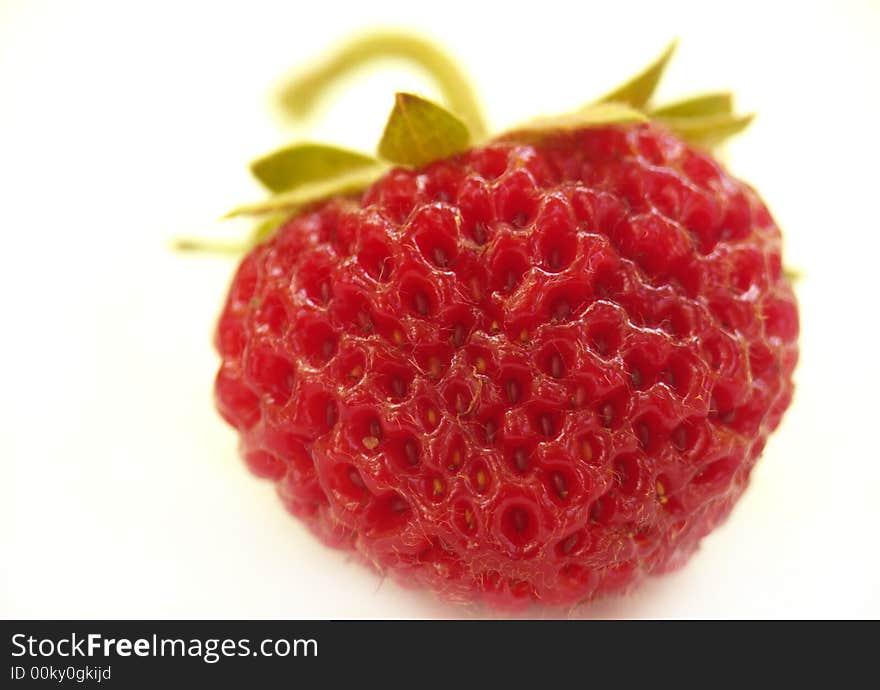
x,y
720,103
419,131
308,193
639,89
296,165
708,130
596,115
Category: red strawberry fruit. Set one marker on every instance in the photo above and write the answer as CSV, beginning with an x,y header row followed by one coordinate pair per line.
x,y
534,369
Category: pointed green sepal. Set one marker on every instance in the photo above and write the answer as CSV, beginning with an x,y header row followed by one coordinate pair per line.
x,y
638,90
720,103
419,131
708,130
301,164
309,193
263,230
596,115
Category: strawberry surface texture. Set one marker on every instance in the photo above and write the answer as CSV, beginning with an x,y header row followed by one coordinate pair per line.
x,y
528,372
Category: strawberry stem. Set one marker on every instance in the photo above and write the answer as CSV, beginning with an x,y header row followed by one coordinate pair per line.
x,y
299,96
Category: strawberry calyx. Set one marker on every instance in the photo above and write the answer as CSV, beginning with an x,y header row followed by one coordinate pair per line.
x,y
419,131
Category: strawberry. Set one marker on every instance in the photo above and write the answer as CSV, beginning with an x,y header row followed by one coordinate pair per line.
x,y
534,369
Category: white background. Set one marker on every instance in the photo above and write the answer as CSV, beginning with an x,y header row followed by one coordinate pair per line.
x,y
123,125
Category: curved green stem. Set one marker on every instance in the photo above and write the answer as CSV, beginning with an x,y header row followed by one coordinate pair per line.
x,y
300,94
